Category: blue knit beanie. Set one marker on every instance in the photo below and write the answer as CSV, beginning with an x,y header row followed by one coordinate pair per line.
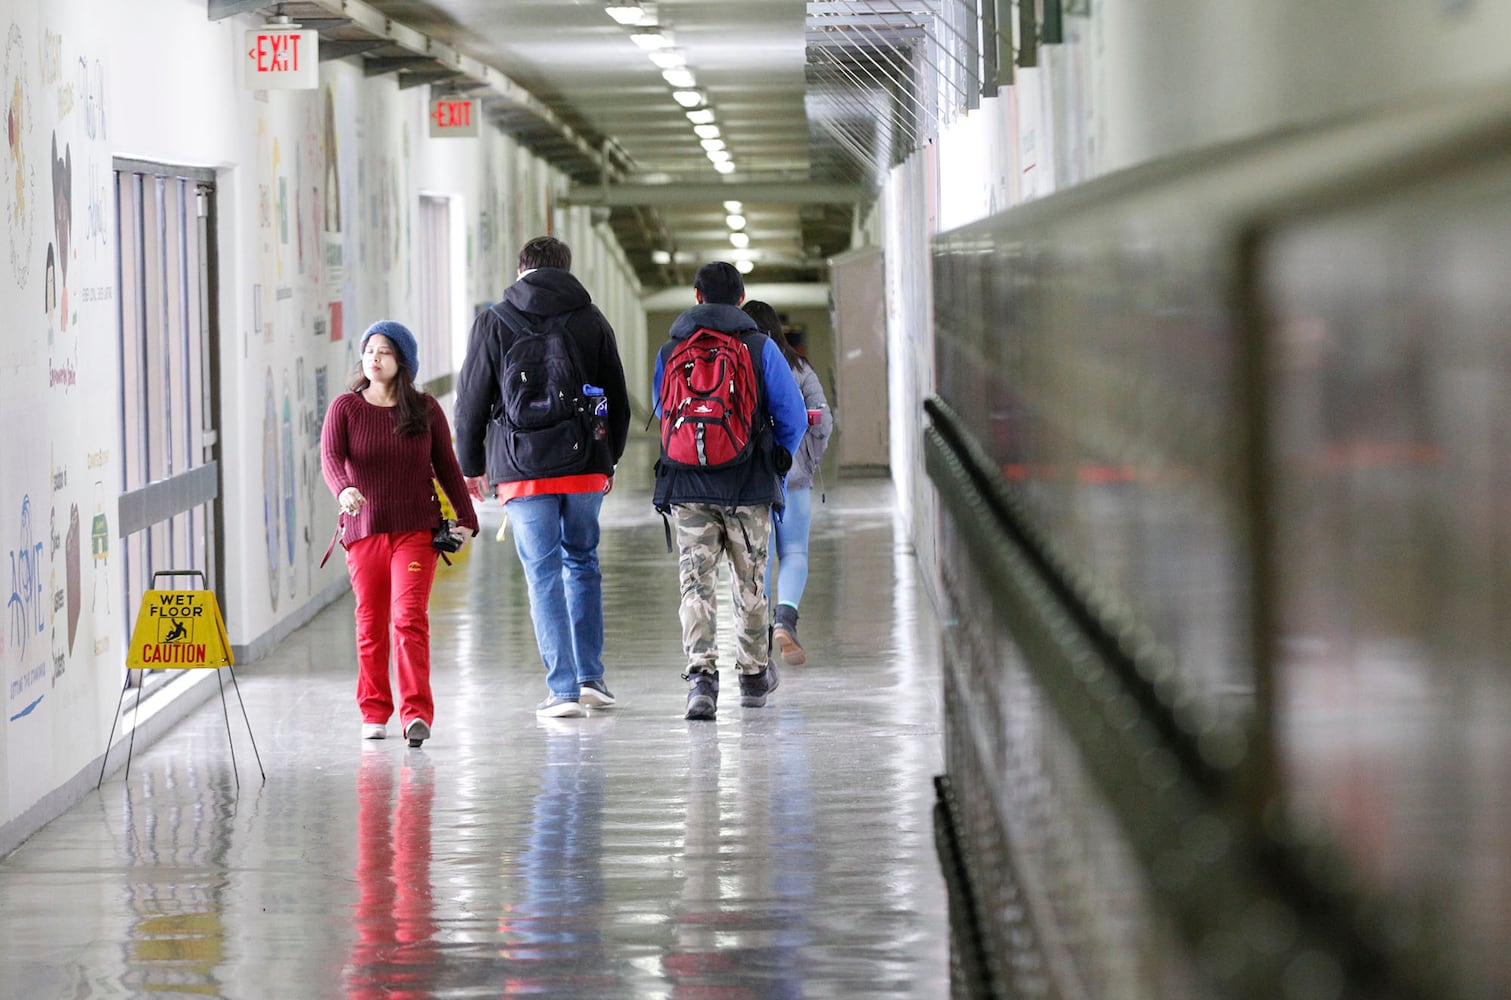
x,y
402,340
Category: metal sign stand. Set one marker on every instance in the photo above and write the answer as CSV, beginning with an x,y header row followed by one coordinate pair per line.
x,y
184,608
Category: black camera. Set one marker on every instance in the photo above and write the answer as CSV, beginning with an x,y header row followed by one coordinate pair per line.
x,y
443,540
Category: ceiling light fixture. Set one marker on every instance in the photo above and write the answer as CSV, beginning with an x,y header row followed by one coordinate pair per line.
x,y
660,257
703,116
734,207
745,265
625,13
706,131
668,59
681,78
739,240
688,98
735,222
712,144
725,167
718,155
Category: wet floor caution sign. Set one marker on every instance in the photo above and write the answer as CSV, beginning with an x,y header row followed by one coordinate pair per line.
x,y
179,629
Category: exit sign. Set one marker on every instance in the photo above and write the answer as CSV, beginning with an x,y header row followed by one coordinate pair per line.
x,y
453,116
282,59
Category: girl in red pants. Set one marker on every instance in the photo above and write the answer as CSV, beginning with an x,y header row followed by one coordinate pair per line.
x,y
382,445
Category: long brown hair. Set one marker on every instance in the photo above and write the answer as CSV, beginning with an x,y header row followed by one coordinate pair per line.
x,y
412,410
771,325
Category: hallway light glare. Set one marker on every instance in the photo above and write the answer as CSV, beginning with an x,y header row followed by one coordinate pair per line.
x,y
706,131
668,59
625,13
712,144
679,78
745,267
702,116
735,221
688,98
734,207
660,257
739,240
650,41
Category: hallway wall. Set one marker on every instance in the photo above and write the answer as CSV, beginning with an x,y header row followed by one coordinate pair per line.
x,y
317,199
1132,83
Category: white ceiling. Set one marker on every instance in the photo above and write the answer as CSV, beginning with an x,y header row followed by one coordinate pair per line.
x,y
756,62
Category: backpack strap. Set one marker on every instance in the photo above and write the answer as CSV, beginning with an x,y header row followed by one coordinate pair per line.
x,y
512,318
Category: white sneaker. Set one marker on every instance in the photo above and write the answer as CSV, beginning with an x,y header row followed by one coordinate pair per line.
x,y
416,732
374,731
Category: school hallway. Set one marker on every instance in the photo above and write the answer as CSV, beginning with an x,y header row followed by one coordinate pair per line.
x,y
785,851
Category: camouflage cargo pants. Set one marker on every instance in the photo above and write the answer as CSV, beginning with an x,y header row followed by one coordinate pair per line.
x,y
703,532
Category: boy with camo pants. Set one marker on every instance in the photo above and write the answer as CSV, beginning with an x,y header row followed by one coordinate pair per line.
x,y
728,510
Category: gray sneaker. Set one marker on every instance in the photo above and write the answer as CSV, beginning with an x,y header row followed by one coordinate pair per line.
x,y
595,694
755,687
702,694
416,732
557,707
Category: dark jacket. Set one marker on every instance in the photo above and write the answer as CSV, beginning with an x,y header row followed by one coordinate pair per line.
x,y
544,292
780,417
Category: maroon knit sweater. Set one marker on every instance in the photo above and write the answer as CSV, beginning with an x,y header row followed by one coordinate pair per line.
x,y
358,447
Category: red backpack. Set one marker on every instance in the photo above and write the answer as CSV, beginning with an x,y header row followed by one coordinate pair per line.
x,y
708,401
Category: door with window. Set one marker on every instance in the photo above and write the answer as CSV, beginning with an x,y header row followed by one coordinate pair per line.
x,y
170,510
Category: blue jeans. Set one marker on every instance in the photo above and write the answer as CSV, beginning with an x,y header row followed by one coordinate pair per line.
x,y
556,536
789,545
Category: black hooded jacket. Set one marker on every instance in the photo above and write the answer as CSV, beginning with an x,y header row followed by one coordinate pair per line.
x,y
544,292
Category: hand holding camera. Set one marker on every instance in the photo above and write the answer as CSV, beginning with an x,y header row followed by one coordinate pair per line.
x,y
448,536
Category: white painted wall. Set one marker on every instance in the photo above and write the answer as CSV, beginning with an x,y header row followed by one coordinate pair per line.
x,y
155,80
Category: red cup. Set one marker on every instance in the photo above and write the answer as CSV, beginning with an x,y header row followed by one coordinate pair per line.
x,y
815,417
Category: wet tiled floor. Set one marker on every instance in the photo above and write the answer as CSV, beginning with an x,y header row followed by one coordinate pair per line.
x,y
777,852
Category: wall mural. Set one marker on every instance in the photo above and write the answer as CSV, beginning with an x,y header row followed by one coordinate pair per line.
x,y
270,466
26,619
20,177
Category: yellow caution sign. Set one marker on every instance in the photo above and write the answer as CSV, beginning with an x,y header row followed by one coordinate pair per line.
x,y
179,630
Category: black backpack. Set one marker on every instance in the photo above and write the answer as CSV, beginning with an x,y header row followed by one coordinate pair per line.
x,y
545,425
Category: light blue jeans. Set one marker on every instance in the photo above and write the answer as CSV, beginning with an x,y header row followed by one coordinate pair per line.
x,y
789,545
556,536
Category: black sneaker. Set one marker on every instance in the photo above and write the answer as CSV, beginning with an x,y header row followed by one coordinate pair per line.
x,y
755,687
702,694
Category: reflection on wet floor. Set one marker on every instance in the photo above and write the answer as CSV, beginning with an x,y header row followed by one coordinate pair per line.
x,y
777,852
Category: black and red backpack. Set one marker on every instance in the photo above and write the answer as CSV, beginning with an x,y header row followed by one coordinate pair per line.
x,y
709,399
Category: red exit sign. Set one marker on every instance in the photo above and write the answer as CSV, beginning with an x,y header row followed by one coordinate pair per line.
x,y
283,59
453,116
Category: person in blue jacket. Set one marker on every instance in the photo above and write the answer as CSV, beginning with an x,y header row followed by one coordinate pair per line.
x,y
729,510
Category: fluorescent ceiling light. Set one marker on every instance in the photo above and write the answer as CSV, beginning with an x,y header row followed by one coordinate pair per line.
x,y
727,167
625,13
660,257
718,155
734,207
703,116
739,240
745,266
669,59
688,98
650,40
706,131
735,222
682,79
712,144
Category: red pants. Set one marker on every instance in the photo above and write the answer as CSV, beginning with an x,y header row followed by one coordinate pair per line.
x,y
391,577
